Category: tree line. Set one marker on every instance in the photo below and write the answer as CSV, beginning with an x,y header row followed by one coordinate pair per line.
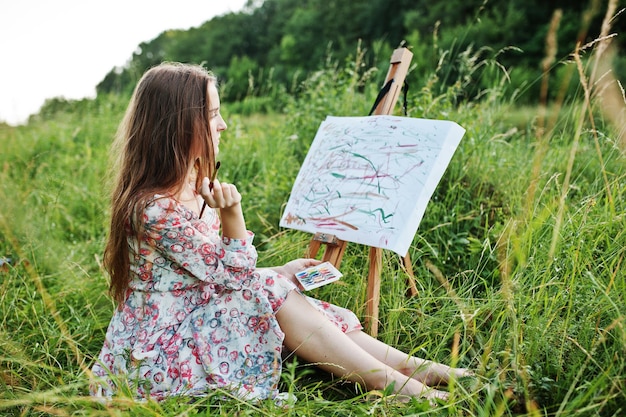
x,y
274,44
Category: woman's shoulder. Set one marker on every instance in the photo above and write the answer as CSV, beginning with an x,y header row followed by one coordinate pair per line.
x,y
160,208
160,202
163,212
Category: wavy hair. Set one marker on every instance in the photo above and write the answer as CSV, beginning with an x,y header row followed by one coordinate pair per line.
x,y
164,134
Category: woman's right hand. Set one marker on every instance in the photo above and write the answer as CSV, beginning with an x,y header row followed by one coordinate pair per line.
x,y
227,199
220,195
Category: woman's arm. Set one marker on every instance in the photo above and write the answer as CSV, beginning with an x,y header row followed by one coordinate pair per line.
x,y
227,199
193,246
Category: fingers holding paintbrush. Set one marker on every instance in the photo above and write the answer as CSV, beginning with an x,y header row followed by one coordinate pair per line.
x,y
217,166
211,185
222,195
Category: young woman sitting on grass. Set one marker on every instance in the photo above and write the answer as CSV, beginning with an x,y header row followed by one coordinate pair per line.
x,y
194,312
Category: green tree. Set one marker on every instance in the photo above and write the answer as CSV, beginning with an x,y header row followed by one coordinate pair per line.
x,y
293,38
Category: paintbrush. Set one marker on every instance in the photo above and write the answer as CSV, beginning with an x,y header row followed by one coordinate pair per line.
x,y
217,166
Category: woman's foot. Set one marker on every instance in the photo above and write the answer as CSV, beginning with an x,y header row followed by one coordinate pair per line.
x,y
433,396
435,374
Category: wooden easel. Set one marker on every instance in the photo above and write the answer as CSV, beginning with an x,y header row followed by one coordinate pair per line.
x,y
335,248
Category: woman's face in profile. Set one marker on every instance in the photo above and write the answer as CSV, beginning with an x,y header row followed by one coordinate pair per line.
x,y
216,122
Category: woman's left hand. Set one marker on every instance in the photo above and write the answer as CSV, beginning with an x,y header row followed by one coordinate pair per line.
x,y
290,269
297,265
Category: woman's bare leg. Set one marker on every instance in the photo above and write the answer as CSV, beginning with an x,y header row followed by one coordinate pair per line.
x,y
312,337
427,372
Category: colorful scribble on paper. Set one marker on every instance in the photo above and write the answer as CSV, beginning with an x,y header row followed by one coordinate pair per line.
x,y
368,179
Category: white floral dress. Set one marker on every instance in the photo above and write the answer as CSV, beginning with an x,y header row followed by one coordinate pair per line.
x,y
198,314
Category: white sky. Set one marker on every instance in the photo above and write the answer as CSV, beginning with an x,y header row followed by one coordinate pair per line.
x,y
64,48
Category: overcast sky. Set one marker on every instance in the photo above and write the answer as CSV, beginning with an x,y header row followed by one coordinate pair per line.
x,y
64,48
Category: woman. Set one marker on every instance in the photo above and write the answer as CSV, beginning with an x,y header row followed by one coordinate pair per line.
x,y
194,313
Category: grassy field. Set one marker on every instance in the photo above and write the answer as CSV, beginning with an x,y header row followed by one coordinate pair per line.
x,y
519,258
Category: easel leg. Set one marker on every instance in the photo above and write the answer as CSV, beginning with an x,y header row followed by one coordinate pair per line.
x,y
334,248
373,291
314,247
334,254
408,268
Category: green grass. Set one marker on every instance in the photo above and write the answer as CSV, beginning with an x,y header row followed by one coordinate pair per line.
x,y
515,281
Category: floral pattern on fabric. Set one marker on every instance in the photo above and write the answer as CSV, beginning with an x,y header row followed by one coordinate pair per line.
x,y
198,314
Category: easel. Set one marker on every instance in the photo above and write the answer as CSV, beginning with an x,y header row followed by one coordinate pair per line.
x,y
335,248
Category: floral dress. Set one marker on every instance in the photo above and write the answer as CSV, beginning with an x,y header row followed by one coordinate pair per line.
x,y
198,314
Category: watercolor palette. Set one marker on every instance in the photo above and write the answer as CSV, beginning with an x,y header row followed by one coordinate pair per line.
x,y
318,275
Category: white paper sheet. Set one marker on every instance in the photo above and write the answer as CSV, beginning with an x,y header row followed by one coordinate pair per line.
x,y
369,179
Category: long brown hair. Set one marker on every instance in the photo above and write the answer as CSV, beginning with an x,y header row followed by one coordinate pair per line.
x,y
164,132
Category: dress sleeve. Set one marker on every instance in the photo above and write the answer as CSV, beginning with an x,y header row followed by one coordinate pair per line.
x,y
191,245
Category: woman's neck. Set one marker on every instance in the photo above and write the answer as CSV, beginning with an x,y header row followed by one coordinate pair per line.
x,y
188,197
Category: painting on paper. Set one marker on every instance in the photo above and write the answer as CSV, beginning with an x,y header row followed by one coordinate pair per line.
x,y
369,179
